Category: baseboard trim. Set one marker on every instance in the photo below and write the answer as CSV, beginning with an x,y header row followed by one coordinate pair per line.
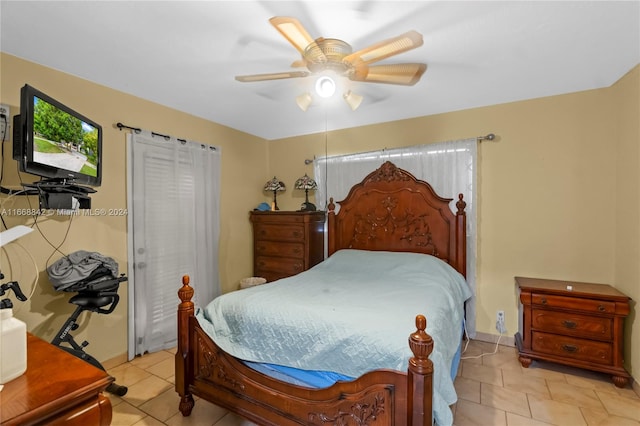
x,y
115,361
493,338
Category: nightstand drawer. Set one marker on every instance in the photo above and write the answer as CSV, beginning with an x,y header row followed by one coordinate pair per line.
x,y
267,248
569,347
279,232
575,303
577,325
286,265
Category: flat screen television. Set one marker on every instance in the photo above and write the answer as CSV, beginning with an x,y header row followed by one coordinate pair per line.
x,y
53,141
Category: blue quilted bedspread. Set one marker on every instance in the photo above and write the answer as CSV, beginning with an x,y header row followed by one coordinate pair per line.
x,y
350,314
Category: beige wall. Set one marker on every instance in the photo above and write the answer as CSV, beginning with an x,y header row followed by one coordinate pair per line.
x,y
625,95
244,171
555,189
558,191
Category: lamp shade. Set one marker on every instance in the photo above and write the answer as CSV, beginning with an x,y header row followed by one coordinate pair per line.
x,y
305,182
352,99
304,101
275,185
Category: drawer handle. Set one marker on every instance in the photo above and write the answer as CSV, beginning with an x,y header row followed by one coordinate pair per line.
x,y
569,348
543,300
569,324
298,267
601,308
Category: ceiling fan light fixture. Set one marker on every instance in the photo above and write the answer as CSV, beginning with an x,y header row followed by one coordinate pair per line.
x,y
325,86
304,101
353,100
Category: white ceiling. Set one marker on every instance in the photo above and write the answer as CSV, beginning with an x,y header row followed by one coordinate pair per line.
x,y
185,54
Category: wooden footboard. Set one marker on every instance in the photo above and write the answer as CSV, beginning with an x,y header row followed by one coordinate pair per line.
x,y
380,397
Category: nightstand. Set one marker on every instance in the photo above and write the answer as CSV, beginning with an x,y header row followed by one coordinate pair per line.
x,y
573,323
286,243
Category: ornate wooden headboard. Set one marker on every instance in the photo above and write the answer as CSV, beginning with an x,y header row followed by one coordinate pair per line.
x,y
392,210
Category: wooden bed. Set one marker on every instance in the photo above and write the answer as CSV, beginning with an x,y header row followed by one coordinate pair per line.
x,y
389,210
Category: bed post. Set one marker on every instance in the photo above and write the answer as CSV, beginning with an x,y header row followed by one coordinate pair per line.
x,y
461,236
184,363
420,377
331,223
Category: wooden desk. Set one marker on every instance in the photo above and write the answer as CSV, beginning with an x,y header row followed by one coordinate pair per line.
x,y
57,388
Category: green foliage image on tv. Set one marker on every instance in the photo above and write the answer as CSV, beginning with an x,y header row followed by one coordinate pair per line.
x,y
63,141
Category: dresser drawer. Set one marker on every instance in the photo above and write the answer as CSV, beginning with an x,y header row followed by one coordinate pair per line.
x,y
268,248
575,303
286,243
279,232
573,348
285,265
592,327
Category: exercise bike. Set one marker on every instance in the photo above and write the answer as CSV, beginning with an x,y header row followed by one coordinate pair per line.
x,y
100,295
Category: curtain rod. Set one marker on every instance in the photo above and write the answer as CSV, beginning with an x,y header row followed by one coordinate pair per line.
x,y
489,137
137,130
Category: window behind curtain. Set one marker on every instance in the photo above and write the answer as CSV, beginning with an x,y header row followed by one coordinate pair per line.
x,y
450,167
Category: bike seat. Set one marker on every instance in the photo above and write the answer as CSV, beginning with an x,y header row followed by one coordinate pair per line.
x,y
92,301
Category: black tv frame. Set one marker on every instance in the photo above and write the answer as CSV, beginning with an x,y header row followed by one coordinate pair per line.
x,y
23,142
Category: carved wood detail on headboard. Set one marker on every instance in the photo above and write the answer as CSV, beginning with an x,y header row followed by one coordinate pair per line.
x,y
404,224
388,172
392,210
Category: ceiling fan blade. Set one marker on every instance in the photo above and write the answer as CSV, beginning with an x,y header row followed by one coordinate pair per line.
x,y
293,31
404,74
271,76
384,49
300,63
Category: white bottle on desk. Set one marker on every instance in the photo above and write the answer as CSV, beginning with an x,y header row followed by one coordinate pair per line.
x,y
13,346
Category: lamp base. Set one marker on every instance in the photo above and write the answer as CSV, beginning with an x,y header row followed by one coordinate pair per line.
x,y
307,207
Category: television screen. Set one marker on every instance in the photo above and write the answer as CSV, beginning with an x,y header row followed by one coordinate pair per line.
x,y
56,142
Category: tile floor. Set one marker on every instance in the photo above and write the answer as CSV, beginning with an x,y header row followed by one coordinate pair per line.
x,y
492,390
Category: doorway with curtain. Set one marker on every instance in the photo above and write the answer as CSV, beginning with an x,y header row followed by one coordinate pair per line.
x,y
450,167
174,204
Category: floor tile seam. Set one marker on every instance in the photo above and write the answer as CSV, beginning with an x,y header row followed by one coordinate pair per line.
x,y
160,377
577,403
614,414
580,408
151,415
135,408
130,365
505,410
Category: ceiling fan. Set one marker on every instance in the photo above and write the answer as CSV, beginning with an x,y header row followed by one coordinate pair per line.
x,y
329,54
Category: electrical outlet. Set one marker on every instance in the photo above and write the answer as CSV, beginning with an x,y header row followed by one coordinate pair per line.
x,y
500,325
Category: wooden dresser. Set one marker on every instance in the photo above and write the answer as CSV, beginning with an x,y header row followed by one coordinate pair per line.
x,y
572,323
286,243
57,388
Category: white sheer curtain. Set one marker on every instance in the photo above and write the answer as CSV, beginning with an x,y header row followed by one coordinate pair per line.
x,y
174,193
450,167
